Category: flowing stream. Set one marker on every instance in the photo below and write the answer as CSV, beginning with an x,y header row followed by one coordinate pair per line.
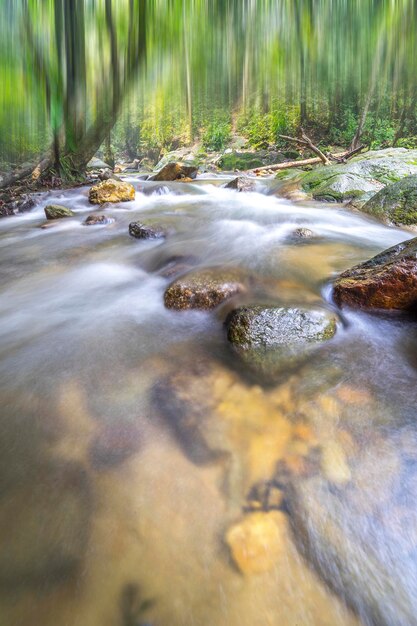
x,y
106,518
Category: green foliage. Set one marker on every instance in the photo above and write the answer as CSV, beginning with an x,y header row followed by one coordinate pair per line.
x,y
217,133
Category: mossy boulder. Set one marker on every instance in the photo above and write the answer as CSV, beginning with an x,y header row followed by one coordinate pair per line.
x,y
396,204
271,341
361,178
57,212
204,289
111,191
242,161
387,281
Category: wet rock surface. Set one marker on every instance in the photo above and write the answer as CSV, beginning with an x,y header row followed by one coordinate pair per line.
x,y
257,541
361,178
57,212
176,171
387,281
204,289
241,183
139,230
111,191
97,220
273,340
395,204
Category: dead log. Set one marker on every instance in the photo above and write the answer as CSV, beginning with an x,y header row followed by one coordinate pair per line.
x,y
34,170
307,143
342,157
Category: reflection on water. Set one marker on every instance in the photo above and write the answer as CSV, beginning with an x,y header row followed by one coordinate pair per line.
x,y
147,479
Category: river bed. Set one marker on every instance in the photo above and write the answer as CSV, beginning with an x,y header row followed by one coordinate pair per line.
x,y
106,517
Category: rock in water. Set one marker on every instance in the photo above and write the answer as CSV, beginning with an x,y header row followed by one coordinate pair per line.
x,y
176,171
111,191
146,231
57,211
396,204
374,573
387,281
97,220
257,541
241,183
272,340
204,289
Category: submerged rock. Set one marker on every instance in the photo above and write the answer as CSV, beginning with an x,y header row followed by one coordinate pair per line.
x,y
176,171
204,289
217,419
147,231
370,568
177,265
97,220
57,211
111,191
241,183
387,281
44,526
396,204
274,340
257,542
114,444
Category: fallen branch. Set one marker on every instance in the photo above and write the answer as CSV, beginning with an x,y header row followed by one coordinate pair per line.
x,y
342,157
35,170
307,143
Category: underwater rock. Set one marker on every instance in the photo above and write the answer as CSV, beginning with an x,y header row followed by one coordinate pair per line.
x,y
274,340
204,289
114,444
301,234
257,541
57,211
387,281
111,191
44,525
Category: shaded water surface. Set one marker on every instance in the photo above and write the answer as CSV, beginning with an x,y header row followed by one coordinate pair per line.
x,y
145,478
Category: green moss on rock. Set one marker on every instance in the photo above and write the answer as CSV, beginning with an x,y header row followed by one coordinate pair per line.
x,y
274,340
396,204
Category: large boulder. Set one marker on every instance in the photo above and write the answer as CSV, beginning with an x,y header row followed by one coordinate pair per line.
x,y
176,171
395,204
57,211
204,289
387,281
111,191
273,340
361,178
